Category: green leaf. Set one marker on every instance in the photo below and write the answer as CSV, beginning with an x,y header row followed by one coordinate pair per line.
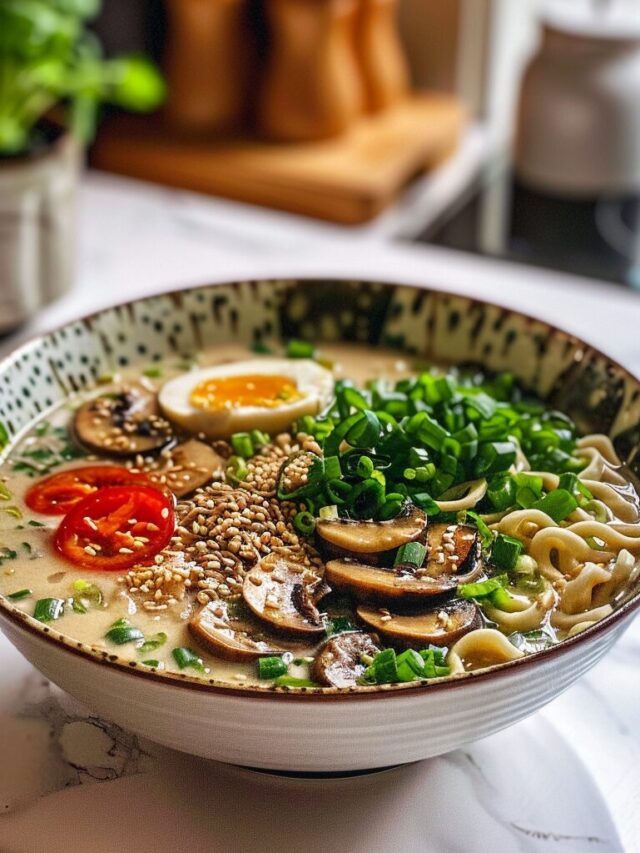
x,y
138,85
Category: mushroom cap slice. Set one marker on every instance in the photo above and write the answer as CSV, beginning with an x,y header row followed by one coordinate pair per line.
x,y
339,664
368,583
237,637
453,549
284,594
123,423
363,538
441,626
192,464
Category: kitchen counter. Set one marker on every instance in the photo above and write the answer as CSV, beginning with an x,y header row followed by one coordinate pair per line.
x,y
567,779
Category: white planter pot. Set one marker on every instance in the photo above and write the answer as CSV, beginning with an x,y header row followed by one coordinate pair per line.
x,y
37,229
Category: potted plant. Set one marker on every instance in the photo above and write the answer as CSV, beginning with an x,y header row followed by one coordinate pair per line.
x,y
53,79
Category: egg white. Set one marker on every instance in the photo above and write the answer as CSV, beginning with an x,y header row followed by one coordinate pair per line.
x,y
314,382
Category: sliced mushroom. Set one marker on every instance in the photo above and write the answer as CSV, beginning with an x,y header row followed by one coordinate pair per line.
x,y
368,583
238,636
453,549
367,538
192,464
441,626
122,424
285,594
339,663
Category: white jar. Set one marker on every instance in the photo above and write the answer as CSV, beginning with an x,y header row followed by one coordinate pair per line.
x,y
37,228
578,125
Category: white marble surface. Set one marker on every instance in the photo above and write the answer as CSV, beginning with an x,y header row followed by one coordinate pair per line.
x,y
568,779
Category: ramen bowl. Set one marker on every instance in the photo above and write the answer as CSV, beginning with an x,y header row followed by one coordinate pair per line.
x,y
319,729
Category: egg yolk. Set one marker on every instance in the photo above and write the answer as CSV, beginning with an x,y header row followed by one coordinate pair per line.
x,y
230,392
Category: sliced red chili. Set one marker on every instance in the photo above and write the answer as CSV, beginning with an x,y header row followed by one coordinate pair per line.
x,y
116,528
55,495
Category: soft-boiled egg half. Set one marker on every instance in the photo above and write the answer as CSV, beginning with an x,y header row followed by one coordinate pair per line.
x,y
267,394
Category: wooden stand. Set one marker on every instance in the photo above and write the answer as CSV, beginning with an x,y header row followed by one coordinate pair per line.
x,y
347,179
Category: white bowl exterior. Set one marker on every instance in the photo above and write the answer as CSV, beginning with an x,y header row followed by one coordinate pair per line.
x,y
315,734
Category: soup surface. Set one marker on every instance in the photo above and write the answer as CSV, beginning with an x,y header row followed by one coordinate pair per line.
x,y
309,519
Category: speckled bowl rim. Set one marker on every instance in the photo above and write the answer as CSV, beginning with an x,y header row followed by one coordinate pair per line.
x,y
11,613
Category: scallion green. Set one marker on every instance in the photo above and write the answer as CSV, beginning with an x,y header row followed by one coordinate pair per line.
x,y
271,667
48,609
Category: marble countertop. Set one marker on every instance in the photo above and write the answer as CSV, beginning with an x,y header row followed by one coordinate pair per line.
x,y
567,779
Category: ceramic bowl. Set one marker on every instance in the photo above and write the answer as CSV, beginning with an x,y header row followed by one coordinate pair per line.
x,y
319,730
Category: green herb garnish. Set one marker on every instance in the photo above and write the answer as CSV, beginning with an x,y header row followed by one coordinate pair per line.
x,y
271,667
186,658
300,349
152,643
48,609
20,594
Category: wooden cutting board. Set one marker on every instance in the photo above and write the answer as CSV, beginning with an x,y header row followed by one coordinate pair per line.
x,y
347,179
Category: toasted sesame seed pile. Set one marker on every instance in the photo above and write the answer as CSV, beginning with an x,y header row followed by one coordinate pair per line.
x,y
264,467
222,532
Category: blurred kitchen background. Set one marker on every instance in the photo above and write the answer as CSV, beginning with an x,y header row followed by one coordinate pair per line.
x,y
504,129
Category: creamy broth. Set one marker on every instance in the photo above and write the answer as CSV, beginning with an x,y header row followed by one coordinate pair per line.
x,y
574,587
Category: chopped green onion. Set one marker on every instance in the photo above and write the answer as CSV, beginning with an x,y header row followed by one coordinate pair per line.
x,y
411,553
237,469
483,588
410,666
124,634
332,469
48,609
153,372
493,457
503,600
271,667
154,642
484,531
501,491
385,666
365,467
505,551
572,484
151,663
242,445
87,594
365,431
597,509
557,504
186,658
304,523
300,349
292,681
13,511
20,594
329,512
259,439
390,509
260,348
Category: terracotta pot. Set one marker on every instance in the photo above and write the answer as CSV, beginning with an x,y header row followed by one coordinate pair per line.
x,y
208,63
37,226
383,64
312,87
